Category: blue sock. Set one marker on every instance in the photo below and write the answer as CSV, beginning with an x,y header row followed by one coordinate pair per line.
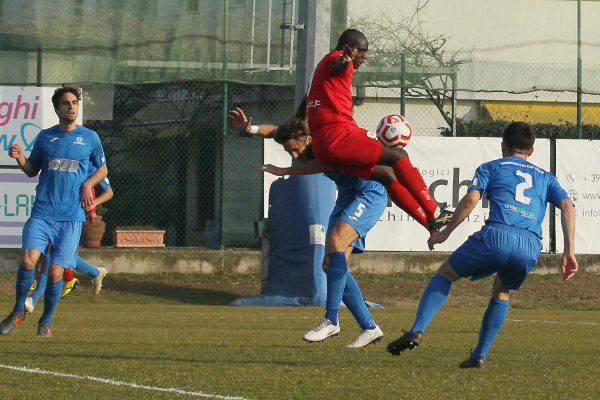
x,y
86,268
494,316
336,281
51,298
432,300
24,281
41,283
355,302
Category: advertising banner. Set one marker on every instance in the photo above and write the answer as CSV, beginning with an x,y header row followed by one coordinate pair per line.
x,y
447,166
578,170
273,154
17,194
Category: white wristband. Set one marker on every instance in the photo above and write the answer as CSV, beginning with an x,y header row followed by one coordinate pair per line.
x,y
253,129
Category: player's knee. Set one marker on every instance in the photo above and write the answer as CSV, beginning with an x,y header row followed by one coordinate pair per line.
x,y
499,291
335,242
325,264
447,272
55,273
28,261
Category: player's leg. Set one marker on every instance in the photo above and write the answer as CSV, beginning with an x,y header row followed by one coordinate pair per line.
x,y
493,318
63,255
399,194
433,299
338,239
25,275
354,300
35,239
69,283
96,273
522,251
42,280
411,179
51,298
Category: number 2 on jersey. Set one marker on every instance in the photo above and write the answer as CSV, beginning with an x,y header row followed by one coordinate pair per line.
x,y
522,187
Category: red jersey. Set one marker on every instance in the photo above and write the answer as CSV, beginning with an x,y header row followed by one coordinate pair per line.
x,y
329,98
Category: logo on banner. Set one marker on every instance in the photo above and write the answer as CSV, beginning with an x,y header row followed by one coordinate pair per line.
x,y
573,195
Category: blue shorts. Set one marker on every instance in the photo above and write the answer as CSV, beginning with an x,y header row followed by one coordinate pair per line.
x,y
497,248
63,236
361,213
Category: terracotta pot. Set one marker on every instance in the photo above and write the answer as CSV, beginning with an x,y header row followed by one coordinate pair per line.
x,y
138,238
92,232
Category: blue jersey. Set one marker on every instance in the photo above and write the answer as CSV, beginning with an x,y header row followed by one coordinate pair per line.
x,y
63,159
104,183
518,192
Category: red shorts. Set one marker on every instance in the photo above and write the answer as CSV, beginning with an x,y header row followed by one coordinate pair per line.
x,y
347,148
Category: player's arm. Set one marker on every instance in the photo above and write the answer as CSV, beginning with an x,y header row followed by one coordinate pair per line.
x,y
569,264
240,121
464,208
313,166
16,151
105,196
340,64
87,199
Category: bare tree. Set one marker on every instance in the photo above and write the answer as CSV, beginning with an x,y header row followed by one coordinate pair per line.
x,y
389,38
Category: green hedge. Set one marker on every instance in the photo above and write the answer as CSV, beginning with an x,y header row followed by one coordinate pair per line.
x,y
494,129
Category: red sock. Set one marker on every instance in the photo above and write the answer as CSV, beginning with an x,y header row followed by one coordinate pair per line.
x,y
410,178
68,275
403,199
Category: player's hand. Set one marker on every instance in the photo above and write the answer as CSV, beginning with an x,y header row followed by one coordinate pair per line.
x,y
87,199
569,266
349,53
92,206
435,238
270,168
239,120
15,151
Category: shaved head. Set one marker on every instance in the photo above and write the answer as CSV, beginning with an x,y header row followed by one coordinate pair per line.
x,y
353,38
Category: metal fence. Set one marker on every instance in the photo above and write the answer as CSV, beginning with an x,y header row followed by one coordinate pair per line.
x,y
157,89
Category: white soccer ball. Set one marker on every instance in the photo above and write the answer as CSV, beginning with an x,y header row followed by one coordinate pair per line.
x,y
394,131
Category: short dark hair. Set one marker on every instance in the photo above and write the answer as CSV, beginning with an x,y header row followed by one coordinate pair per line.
x,y
518,136
351,37
293,128
62,90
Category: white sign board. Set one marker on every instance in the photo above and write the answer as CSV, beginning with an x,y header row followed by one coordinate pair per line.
x,y
578,170
273,154
447,166
17,194
24,112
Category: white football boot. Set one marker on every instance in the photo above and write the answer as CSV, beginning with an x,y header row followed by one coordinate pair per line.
x,y
29,305
97,281
367,336
322,331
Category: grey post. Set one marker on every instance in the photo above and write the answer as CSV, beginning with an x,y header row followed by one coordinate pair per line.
x,y
313,41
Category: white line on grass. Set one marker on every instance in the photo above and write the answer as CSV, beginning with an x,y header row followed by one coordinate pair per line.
x,y
120,383
538,321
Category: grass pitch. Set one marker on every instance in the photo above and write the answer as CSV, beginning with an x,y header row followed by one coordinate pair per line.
x,y
176,335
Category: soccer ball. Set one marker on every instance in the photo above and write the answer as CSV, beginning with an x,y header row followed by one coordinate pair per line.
x,y
394,131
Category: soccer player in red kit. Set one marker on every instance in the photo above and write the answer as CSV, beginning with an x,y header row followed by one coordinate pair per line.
x,y
339,142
